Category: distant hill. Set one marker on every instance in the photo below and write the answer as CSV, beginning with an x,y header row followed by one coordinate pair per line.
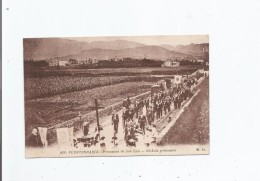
x,y
64,49
46,48
96,53
169,47
114,45
197,51
193,49
150,52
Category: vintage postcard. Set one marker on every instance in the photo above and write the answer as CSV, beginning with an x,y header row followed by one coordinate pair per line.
x,y
116,96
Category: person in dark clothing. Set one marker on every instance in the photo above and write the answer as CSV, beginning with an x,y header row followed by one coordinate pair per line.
x,y
35,139
176,102
184,95
155,99
169,119
169,105
161,109
141,104
179,101
115,121
124,117
136,109
162,96
85,128
147,103
128,102
125,104
127,128
157,111
165,107
142,123
150,116
131,115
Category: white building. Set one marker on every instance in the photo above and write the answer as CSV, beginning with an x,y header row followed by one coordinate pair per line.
x,y
63,63
170,63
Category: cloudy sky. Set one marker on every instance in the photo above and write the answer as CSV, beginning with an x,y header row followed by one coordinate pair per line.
x,y
152,40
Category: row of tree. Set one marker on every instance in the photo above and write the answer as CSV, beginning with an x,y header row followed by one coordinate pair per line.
x,y
102,64
125,63
129,63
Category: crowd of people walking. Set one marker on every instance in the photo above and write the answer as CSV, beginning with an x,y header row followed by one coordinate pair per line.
x,y
139,116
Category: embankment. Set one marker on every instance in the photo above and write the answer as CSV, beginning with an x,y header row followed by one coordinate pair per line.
x,y
192,125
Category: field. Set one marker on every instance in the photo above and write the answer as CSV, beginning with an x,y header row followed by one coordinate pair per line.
x,y
59,96
111,71
193,125
54,85
44,83
55,109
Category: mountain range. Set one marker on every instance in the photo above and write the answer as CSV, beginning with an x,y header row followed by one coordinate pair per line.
x,y
191,49
64,49
150,52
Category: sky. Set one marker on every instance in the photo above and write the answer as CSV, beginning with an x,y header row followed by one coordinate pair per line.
x,y
152,40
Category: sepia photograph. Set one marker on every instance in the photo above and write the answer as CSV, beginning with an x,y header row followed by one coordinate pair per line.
x,y
130,90
116,96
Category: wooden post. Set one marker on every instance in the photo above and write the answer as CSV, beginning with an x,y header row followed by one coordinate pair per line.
x,y
96,106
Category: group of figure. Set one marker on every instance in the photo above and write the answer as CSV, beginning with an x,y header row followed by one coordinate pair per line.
x,y
138,116
148,110
161,104
135,110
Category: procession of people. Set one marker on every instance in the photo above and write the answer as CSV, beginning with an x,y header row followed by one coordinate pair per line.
x,y
139,117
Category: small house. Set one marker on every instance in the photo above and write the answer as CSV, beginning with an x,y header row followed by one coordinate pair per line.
x,y
171,63
63,63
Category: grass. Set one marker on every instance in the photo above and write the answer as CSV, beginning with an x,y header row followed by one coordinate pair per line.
x,y
54,85
193,125
60,108
112,71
